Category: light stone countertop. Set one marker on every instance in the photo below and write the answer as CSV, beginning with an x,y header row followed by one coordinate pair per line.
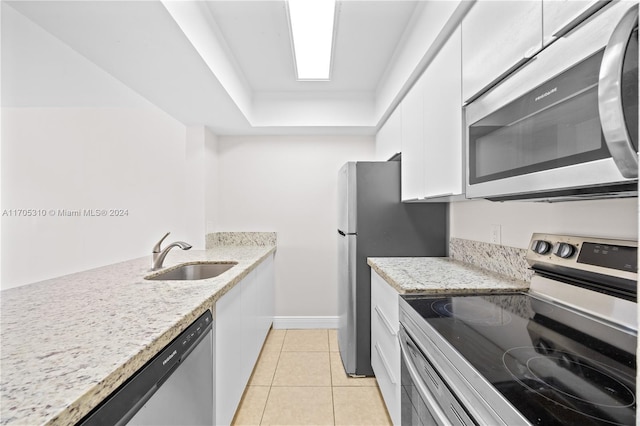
x,y
68,342
441,275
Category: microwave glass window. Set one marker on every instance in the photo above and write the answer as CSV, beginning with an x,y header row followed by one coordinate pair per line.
x,y
555,125
542,140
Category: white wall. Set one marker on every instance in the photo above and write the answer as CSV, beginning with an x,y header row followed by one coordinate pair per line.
x,y
73,137
289,185
472,220
211,184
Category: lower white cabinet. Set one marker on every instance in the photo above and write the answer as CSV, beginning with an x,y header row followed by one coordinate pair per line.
x,y
243,318
385,348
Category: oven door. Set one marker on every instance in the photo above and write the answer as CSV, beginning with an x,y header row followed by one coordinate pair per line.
x,y
566,124
425,398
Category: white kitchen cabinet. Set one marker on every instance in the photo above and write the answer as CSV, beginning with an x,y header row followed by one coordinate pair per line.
x,y
228,354
243,317
432,159
248,331
412,168
559,16
385,348
265,300
442,122
389,137
498,36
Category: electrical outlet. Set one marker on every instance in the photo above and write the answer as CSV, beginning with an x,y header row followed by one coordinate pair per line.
x,y
496,237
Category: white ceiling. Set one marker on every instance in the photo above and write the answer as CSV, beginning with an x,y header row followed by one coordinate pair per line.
x,y
257,35
229,65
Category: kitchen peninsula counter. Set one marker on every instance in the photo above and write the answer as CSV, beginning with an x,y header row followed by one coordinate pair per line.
x,y
68,342
440,275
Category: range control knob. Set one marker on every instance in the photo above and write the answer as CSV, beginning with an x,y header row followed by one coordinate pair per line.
x,y
541,246
564,250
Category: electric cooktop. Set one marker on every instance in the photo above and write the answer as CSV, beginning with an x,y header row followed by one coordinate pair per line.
x,y
556,365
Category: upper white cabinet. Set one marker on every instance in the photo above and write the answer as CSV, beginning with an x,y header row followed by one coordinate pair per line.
x,y
560,16
497,37
389,137
432,160
494,39
442,125
412,168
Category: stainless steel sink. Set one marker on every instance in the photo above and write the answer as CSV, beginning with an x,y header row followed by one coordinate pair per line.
x,y
193,271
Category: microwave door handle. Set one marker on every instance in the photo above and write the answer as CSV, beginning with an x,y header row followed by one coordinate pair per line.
x,y
610,97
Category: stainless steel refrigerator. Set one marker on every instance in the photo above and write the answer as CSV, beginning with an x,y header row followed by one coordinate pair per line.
x,y
373,222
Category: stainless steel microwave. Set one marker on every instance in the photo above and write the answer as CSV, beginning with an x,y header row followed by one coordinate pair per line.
x,y
565,125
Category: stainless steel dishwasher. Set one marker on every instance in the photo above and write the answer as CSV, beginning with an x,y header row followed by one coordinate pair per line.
x,y
173,388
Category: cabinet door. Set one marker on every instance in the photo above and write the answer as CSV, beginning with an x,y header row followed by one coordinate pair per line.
x,y
228,359
560,16
249,332
385,348
389,137
497,36
243,317
266,298
442,122
412,169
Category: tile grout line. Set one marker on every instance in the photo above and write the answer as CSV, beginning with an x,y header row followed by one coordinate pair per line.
x,y
264,409
333,385
333,401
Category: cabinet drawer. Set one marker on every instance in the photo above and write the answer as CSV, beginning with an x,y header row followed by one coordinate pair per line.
x,y
382,335
388,381
384,321
385,348
385,298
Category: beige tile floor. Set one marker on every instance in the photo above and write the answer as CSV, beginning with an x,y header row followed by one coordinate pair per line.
x,y
299,380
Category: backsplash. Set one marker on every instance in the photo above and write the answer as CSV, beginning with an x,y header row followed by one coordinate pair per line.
x,y
508,261
241,239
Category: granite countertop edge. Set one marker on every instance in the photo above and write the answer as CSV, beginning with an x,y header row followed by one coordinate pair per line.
x,y
440,275
201,295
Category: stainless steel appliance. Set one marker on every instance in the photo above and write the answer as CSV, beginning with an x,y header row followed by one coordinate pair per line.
x,y
372,221
564,353
565,125
174,388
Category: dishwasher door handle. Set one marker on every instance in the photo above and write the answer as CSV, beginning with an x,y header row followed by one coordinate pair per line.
x,y
138,405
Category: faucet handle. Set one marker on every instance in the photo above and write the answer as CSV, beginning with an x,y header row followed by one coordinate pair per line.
x,y
157,248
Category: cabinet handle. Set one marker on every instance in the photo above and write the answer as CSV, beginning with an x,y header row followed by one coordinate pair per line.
x,y
529,56
385,364
566,28
385,321
446,194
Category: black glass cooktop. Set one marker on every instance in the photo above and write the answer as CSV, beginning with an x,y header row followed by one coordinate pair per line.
x,y
556,366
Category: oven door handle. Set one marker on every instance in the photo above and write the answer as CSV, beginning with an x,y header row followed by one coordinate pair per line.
x,y
610,106
433,405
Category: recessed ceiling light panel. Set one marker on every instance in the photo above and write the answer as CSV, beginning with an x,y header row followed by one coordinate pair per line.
x,y
312,28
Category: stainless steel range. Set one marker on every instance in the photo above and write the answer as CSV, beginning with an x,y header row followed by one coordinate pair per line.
x,y
563,353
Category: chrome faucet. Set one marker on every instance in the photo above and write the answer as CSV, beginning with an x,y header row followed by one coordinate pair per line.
x,y
159,254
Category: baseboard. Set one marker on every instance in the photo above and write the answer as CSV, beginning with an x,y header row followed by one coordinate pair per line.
x,y
292,322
